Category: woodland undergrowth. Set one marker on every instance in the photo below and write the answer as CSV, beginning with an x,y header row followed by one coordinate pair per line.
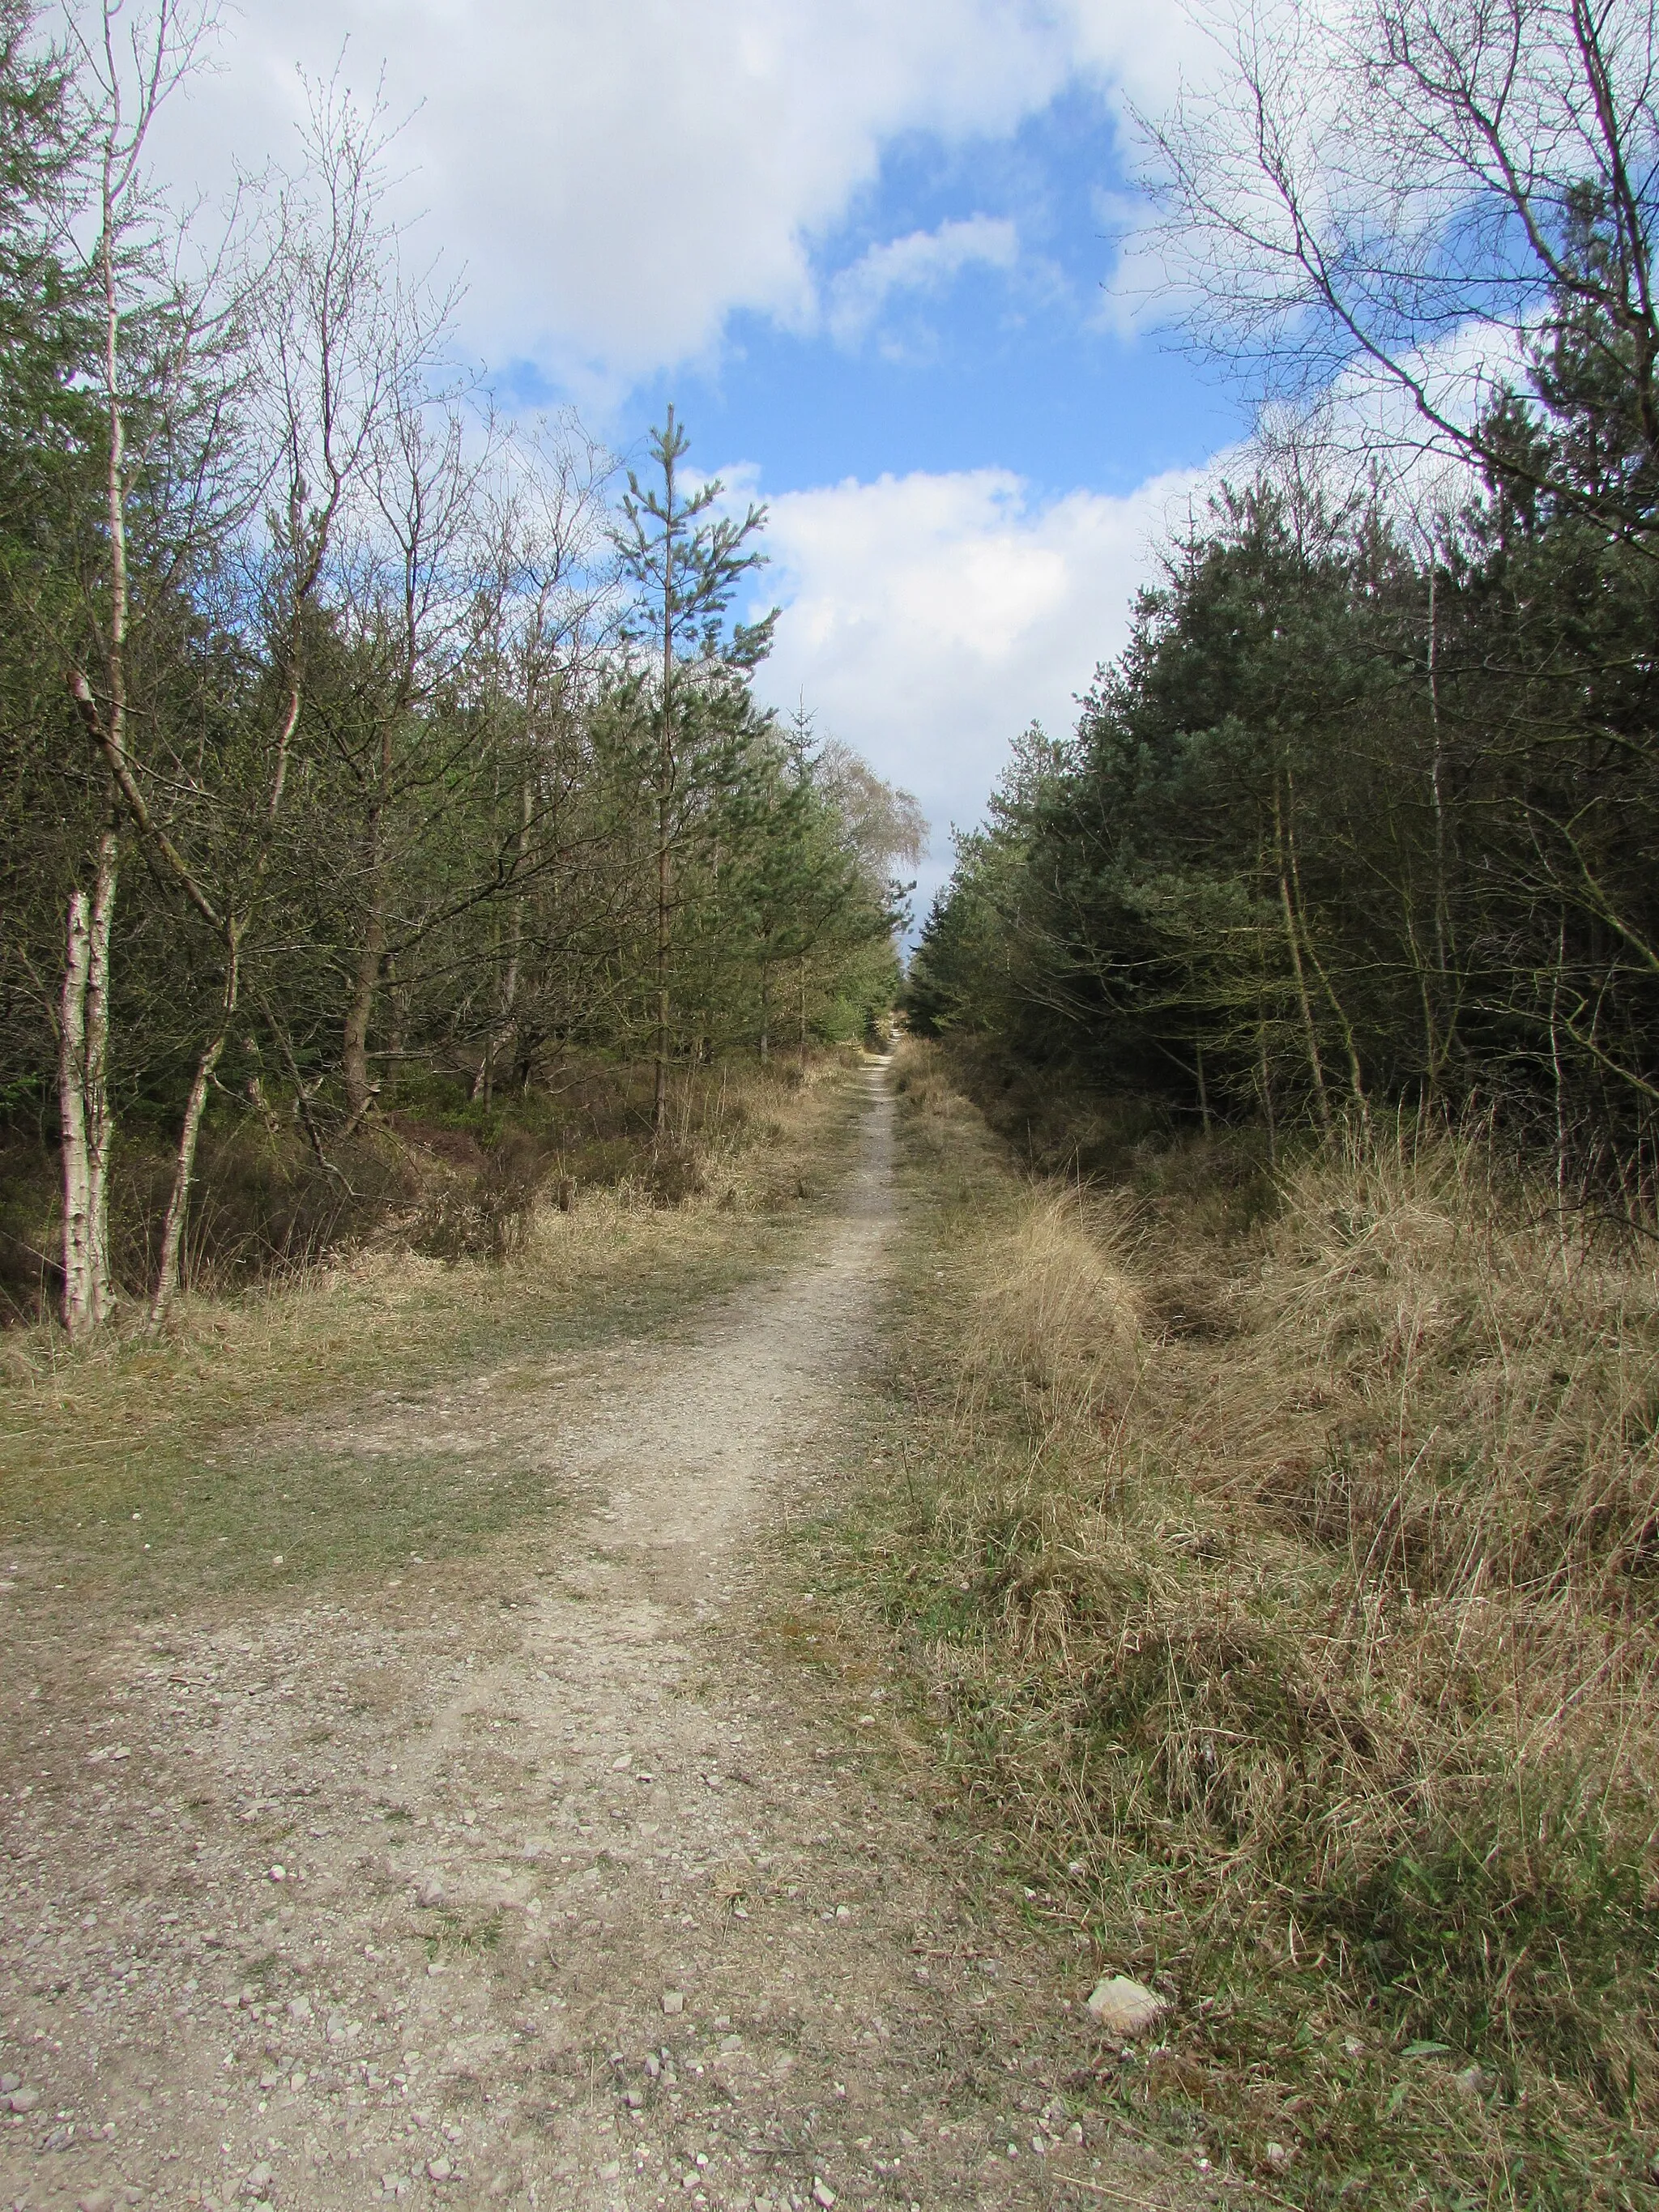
x,y
1281,1559
438,1172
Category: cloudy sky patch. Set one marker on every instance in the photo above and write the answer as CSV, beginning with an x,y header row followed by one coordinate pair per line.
x,y
866,250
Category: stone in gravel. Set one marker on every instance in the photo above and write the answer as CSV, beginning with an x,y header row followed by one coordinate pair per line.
x,y
8,2082
1126,2008
23,2100
439,2169
674,2001
95,2200
430,1892
256,2181
822,2192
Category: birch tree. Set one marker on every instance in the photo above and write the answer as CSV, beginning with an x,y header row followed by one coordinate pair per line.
x,y
1400,193
127,69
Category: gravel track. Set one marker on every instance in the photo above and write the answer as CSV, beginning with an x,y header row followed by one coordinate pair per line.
x,y
592,1889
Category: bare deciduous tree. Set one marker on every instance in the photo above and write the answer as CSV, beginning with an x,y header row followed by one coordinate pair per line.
x,y
1390,192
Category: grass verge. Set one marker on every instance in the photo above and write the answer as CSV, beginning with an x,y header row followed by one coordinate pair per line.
x,y
332,1426
1277,1564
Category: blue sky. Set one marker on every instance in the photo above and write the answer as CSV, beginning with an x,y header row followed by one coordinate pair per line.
x,y
866,250
1025,366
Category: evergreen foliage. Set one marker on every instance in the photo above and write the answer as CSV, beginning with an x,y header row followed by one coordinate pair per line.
x,y
1359,816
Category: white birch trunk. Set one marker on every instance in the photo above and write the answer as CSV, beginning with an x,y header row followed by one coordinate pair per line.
x,y
84,1118
72,1120
101,1123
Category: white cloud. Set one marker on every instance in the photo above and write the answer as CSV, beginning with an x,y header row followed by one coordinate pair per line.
x,y
924,261
929,618
618,179
1142,288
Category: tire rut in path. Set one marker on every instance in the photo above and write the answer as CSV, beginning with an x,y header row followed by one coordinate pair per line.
x,y
648,1924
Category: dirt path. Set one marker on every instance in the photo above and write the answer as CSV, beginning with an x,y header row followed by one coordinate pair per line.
x,y
575,1896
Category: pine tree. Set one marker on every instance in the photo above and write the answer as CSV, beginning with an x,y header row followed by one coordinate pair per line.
x,y
685,560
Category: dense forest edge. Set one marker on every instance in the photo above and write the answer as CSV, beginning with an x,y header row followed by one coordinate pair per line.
x,y
1356,826
391,832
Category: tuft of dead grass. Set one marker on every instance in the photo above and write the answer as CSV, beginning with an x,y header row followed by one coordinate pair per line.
x,y
1054,1314
1311,1650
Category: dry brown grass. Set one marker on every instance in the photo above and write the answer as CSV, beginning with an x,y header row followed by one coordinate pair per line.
x,y
1489,1392
1312,1648
1053,1316
439,1172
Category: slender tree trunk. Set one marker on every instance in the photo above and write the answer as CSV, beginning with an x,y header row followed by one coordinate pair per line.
x,y
1264,1077
665,865
765,1035
1559,1073
1438,796
1293,943
184,1174
500,1037
1422,974
79,1271
1356,1079
371,954
360,1010
100,1122
665,794
84,1048
1203,1089
659,1077
84,1118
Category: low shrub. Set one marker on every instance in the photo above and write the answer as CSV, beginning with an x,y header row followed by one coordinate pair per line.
x,y
488,1214
438,1173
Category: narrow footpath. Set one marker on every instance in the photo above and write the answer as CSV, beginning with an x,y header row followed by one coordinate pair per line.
x,y
578,1895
